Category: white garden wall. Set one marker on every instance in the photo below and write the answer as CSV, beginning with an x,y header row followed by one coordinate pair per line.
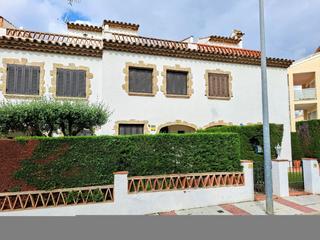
x,y
155,201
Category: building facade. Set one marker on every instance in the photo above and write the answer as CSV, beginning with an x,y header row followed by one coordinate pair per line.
x,y
304,87
150,85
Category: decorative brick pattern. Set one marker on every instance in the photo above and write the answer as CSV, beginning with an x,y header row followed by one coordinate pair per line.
x,y
55,198
184,181
234,210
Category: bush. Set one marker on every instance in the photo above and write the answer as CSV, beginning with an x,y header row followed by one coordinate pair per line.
x,y
308,133
82,161
43,118
250,136
297,153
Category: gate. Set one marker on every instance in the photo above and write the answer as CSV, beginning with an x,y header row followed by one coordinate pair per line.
x,y
296,180
258,176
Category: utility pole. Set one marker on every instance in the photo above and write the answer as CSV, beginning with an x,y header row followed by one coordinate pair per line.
x,y
265,112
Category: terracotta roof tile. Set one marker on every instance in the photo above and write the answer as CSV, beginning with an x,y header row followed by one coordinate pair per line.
x,y
55,38
149,41
131,26
138,44
84,27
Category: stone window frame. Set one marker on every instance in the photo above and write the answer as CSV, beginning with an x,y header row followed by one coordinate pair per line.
x,y
141,64
177,68
146,129
22,61
177,122
218,71
217,124
71,66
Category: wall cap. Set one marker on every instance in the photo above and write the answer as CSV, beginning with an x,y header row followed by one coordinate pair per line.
x,y
309,159
280,160
121,173
246,161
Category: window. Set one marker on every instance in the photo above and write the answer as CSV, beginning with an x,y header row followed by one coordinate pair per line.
x,y
131,129
22,79
177,82
71,83
218,85
140,80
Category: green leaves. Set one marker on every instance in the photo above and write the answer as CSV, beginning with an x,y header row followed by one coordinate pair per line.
x,y
92,160
307,142
248,135
43,117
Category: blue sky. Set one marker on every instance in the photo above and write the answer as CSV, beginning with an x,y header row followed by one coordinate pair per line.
x,y
292,26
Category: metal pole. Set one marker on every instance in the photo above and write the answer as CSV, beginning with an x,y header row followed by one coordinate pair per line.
x,y
265,111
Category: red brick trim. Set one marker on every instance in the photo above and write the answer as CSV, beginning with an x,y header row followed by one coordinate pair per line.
x,y
234,210
171,213
121,173
295,206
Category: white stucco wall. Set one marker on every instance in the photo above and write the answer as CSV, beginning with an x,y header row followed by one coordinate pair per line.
x,y
244,107
49,59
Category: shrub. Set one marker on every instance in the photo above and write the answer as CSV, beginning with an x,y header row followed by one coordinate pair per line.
x,y
296,148
43,117
82,161
251,135
308,133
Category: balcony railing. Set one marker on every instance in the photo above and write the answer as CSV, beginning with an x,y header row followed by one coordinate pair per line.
x,y
305,94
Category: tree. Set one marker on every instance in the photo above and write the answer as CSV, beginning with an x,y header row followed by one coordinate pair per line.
x,y
43,117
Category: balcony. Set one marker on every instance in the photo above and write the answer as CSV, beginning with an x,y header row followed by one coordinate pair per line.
x,y
305,94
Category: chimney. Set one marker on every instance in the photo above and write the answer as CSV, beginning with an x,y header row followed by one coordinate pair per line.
x,y
237,34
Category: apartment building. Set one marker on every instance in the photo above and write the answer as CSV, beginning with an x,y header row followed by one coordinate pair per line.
x,y
151,85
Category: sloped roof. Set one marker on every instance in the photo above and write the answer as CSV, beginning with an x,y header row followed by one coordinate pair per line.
x,y
66,44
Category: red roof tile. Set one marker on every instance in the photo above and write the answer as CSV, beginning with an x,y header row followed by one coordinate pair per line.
x,y
55,38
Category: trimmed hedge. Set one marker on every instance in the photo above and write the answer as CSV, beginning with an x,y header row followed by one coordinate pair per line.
x,y
308,134
297,152
82,161
248,135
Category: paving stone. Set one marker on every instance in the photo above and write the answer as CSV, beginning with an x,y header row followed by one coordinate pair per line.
x,y
305,200
212,210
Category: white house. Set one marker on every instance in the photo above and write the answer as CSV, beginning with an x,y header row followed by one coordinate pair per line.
x,y
151,85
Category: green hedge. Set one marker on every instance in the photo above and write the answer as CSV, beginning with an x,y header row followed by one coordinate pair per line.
x,y
83,161
297,152
308,133
249,134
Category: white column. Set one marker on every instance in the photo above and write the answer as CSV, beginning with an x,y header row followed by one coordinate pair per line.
x,y
311,175
280,181
120,191
248,177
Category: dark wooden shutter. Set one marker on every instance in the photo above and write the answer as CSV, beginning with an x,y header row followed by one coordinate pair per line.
x,y
81,86
140,80
218,85
11,70
131,129
177,82
59,82
24,80
71,83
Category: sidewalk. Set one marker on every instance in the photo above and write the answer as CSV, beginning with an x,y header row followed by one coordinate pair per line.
x,y
296,205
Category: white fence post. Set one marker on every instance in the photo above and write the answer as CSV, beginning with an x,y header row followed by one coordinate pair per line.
x,y
311,175
120,191
248,177
280,178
